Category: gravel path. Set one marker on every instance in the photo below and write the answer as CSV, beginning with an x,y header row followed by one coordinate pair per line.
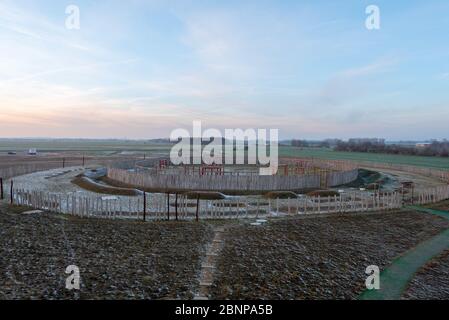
x,y
117,259
432,281
316,257
208,265
55,180
419,180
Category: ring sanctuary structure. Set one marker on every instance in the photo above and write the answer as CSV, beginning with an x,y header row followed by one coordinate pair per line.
x,y
163,191
296,176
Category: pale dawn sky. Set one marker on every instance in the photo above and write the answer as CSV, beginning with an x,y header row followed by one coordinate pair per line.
x,y
139,69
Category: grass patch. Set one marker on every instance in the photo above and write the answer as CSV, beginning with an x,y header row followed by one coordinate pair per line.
x,y
205,195
280,195
88,184
329,154
323,193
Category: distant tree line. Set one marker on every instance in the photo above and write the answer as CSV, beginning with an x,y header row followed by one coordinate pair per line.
x,y
375,145
300,143
435,149
305,144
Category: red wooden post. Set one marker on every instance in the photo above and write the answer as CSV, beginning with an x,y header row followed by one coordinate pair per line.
x,y
12,195
197,207
176,207
144,206
1,188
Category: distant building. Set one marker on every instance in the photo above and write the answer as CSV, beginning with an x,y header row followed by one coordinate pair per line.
x,y
32,152
423,144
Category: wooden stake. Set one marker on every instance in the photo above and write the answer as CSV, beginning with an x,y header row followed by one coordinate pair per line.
x,y
12,195
168,206
1,189
144,206
176,206
197,207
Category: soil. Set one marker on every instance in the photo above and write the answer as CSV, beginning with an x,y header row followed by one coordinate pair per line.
x,y
117,259
91,185
315,257
432,281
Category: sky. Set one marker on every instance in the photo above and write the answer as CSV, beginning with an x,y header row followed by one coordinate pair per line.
x,y
140,69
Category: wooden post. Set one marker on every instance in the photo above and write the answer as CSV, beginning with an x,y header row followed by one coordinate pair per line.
x,y
258,208
63,162
168,206
197,207
12,195
144,206
1,189
83,160
176,206
277,205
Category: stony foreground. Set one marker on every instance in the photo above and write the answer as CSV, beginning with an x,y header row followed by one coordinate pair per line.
x,y
432,281
308,257
316,257
117,259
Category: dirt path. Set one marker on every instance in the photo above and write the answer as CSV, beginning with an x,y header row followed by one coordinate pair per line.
x,y
208,266
395,279
401,176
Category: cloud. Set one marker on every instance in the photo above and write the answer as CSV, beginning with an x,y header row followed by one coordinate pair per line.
x,y
353,83
367,70
37,27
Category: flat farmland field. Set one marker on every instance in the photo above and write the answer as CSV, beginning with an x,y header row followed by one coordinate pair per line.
x,y
329,154
83,145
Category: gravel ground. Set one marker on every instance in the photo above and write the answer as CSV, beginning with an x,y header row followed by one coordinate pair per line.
x,y
117,259
60,183
315,257
432,281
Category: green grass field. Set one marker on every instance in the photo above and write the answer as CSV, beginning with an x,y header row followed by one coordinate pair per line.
x,y
98,147
85,146
324,153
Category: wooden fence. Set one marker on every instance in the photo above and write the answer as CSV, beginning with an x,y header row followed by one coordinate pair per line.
x,y
442,175
229,183
14,171
22,169
164,206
